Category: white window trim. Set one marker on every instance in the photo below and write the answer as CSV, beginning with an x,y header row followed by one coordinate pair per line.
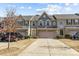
x,y
49,23
41,22
76,20
54,23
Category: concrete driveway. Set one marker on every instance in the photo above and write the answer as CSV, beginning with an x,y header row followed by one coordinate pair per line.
x,y
48,47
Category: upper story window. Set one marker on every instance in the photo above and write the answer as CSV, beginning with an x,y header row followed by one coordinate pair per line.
x,y
33,23
27,23
41,23
21,22
48,23
76,21
54,23
72,21
68,21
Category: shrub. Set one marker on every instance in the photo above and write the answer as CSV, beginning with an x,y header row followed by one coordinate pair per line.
x,y
68,36
26,37
58,37
34,37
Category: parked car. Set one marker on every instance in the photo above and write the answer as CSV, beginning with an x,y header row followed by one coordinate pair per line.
x,y
75,36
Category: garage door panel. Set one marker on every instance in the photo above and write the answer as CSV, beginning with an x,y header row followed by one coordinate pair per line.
x,y
48,34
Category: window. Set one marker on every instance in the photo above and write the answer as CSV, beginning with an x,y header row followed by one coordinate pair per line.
x,y
76,21
73,21
41,23
27,23
48,23
33,23
21,22
54,23
68,22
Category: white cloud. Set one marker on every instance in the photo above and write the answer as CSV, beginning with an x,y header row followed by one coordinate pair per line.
x,y
67,4
53,7
75,4
68,9
2,12
22,7
57,9
38,9
50,9
71,4
11,5
41,9
29,7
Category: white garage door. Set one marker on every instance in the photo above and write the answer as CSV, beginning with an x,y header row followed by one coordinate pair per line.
x,y
48,34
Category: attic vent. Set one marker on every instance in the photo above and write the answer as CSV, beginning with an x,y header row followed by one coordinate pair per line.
x,y
77,14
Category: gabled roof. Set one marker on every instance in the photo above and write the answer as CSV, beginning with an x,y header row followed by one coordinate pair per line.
x,y
53,17
27,17
66,16
24,17
37,17
44,13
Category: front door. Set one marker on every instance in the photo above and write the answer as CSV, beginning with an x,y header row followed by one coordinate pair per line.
x,y
61,32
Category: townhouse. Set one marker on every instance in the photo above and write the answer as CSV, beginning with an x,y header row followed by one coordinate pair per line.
x,y
47,26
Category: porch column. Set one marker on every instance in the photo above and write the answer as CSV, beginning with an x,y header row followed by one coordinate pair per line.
x,y
36,28
58,32
29,29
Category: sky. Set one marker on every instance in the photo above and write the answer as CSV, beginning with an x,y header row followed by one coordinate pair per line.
x,y
38,8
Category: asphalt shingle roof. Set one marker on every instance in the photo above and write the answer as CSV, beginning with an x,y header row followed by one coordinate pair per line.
x,y
27,17
66,16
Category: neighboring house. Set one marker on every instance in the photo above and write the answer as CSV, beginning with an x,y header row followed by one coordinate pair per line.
x,y
47,26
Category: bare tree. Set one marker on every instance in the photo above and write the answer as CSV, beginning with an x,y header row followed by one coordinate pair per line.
x,y
10,22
